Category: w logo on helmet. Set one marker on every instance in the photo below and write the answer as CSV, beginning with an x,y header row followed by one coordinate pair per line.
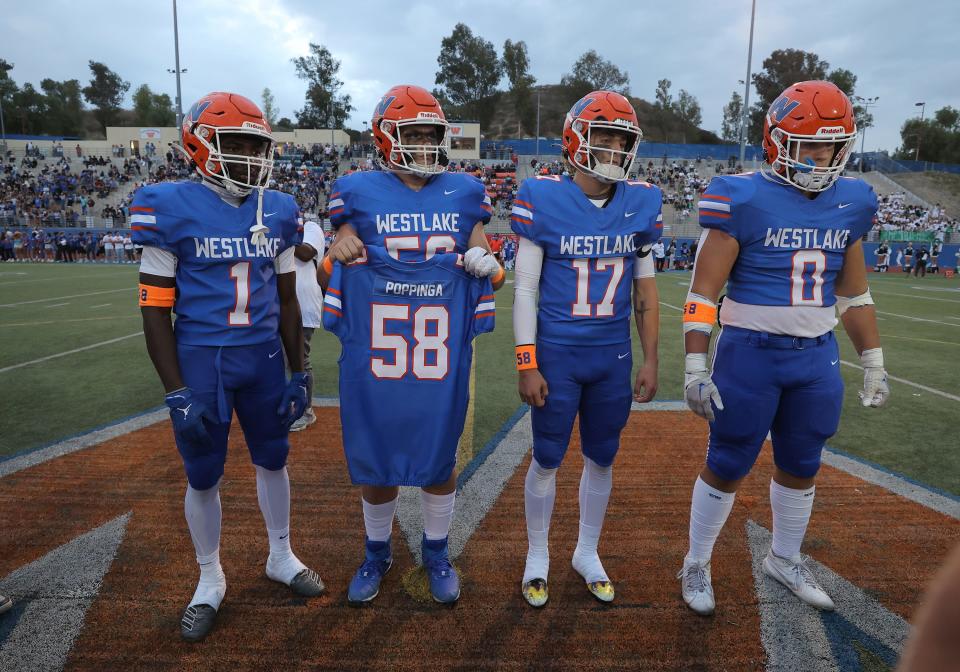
x,y
781,107
580,106
194,114
383,105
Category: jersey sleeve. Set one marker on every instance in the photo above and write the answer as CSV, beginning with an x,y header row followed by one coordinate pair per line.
x,y
654,230
869,217
716,207
333,305
339,206
150,226
290,232
521,218
482,208
485,311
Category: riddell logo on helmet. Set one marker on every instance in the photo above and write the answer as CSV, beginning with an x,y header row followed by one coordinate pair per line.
x,y
250,124
831,130
427,115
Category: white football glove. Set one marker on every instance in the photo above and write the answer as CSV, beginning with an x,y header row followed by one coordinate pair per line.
x,y
479,263
875,389
699,387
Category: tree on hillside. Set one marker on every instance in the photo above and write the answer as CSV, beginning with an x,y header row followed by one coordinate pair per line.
x,y
516,67
284,124
938,139
324,106
947,117
663,105
28,108
591,72
732,118
152,109
64,107
468,76
105,93
688,109
269,107
7,86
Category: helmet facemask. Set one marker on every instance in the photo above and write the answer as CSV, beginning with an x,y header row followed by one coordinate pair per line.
x,y
589,157
404,158
238,173
805,175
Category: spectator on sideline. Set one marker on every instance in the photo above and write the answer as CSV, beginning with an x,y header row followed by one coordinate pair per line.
x,y
659,255
310,297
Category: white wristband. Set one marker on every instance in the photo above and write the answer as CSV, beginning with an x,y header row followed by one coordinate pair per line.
x,y
696,362
872,359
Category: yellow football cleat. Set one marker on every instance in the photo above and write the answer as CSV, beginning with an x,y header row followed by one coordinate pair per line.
x,y
602,590
535,592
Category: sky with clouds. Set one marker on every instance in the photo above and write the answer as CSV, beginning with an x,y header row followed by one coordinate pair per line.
x,y
902,52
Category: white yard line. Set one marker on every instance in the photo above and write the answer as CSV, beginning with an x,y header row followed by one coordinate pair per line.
x,y
101,305
670,305
71,296
79,319
924,340
917,319
69,352
914,296
57,305
945,395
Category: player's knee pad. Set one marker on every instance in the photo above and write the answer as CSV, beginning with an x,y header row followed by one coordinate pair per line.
x,y
730,461
540,479
271,454
204,472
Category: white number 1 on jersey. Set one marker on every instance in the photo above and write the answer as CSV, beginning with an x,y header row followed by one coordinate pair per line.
x,y
239,316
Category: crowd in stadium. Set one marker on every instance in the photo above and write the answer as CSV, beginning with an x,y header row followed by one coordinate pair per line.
x,y
895,214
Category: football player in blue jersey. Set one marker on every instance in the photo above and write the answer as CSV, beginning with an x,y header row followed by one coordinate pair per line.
x,y
584,246
787,243
219,253
415,210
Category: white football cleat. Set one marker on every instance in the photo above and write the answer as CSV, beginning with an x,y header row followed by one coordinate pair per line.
x,y
696,587
796,576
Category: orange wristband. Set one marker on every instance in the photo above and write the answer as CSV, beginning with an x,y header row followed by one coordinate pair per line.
x,y
160,297
694,311
327,264
526,357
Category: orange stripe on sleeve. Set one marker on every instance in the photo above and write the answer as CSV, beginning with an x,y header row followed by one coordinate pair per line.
x,y
716,197
160,297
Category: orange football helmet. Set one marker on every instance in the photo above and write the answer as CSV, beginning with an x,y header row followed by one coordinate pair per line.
x,y
407,105
610,111
222,114
808,112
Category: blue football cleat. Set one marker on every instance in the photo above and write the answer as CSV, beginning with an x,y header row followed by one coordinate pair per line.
x,y
365,584
444,582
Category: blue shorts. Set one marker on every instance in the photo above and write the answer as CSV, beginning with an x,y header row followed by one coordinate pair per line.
x,y
249,379
789,387
592,381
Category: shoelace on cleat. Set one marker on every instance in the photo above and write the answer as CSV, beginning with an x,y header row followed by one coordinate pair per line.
x,y
696,577
370,566
439,565
804,575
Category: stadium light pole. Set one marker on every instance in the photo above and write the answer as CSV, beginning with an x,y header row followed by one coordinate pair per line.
x,y
746,87
923,108
176,62
866,102
3,131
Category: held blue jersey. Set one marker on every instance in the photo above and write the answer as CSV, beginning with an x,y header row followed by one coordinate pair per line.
x,y
588,255
407,330
226,284
791,247
411,225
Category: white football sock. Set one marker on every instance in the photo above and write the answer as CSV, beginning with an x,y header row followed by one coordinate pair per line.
x,y
203,513
437,514
709,509
539,493
378,519
791,513
273,493
213,584
596,482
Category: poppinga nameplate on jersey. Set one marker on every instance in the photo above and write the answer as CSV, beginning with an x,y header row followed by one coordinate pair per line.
x,y
384,286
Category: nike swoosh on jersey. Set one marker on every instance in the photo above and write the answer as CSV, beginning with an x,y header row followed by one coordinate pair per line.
x,y
274,354
844,205
447,193
269,214
628,214
623,355
834,362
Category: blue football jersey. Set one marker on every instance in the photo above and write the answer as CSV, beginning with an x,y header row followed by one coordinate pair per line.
x,y
589,252
411,225
407,330
791,247
226,285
